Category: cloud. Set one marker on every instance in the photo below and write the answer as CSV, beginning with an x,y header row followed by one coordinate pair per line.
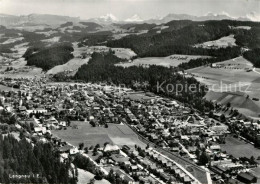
x,y
253,16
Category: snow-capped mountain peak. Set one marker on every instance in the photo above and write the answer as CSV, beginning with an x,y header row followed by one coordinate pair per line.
x,y
134,18
109,18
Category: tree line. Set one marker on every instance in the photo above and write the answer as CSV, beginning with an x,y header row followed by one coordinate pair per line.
x,y
40,163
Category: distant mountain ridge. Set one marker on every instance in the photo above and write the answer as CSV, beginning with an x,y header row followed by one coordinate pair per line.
x,y
51,20
37,19
209,16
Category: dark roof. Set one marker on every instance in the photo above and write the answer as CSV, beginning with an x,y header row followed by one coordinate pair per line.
x,y
247,176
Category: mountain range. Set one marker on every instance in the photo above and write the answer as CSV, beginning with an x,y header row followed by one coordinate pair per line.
x,y
51,20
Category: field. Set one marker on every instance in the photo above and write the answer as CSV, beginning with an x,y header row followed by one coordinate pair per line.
x,y
84,177
239,148
138,96
12,40
256,172
124,53
173,60
73,64
78,60
18,63
115,134
6,88
220,43
235,75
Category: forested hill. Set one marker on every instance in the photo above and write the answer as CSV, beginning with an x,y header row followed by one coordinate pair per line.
x,y
179,37
48,57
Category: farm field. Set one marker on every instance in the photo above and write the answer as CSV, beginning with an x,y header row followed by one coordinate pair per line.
x,y
173,60
6,88
18,63
85,177
220,43
82,56
71,66
114,134
239,148
232,76
256,172
124,53
138,96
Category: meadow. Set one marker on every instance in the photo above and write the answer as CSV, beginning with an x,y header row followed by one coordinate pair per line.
x,y
114,134
235,75
85,177
239,148
220,43
173,60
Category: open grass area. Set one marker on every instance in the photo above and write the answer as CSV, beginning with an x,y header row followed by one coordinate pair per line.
x,y
231,76
114,134
239,148
84,177
138,96
173,60
124,53
256,172
220,43
6,88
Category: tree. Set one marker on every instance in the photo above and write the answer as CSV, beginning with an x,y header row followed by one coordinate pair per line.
x,y
86,150
81,145
222,118
147,146
228,105
203,159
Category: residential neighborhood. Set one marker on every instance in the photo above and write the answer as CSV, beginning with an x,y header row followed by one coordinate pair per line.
x,y
165,141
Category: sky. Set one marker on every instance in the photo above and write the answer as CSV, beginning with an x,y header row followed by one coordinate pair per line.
x,y
123,9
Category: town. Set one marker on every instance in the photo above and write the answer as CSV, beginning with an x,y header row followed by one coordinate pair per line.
x,y
161,140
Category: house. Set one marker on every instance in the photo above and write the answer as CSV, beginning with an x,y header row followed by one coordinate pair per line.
x,y
111,149
22,109
246,177
68,149
65,149
38,130
126,149
215,148
124,176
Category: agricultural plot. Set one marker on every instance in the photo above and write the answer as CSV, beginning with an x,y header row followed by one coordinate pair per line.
x,y
173,60
227,41
18,64
239,148
82,56
51,40
6,88
235,75
73,64
114,134
85,177
124,53
12,40
70,66
138,96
